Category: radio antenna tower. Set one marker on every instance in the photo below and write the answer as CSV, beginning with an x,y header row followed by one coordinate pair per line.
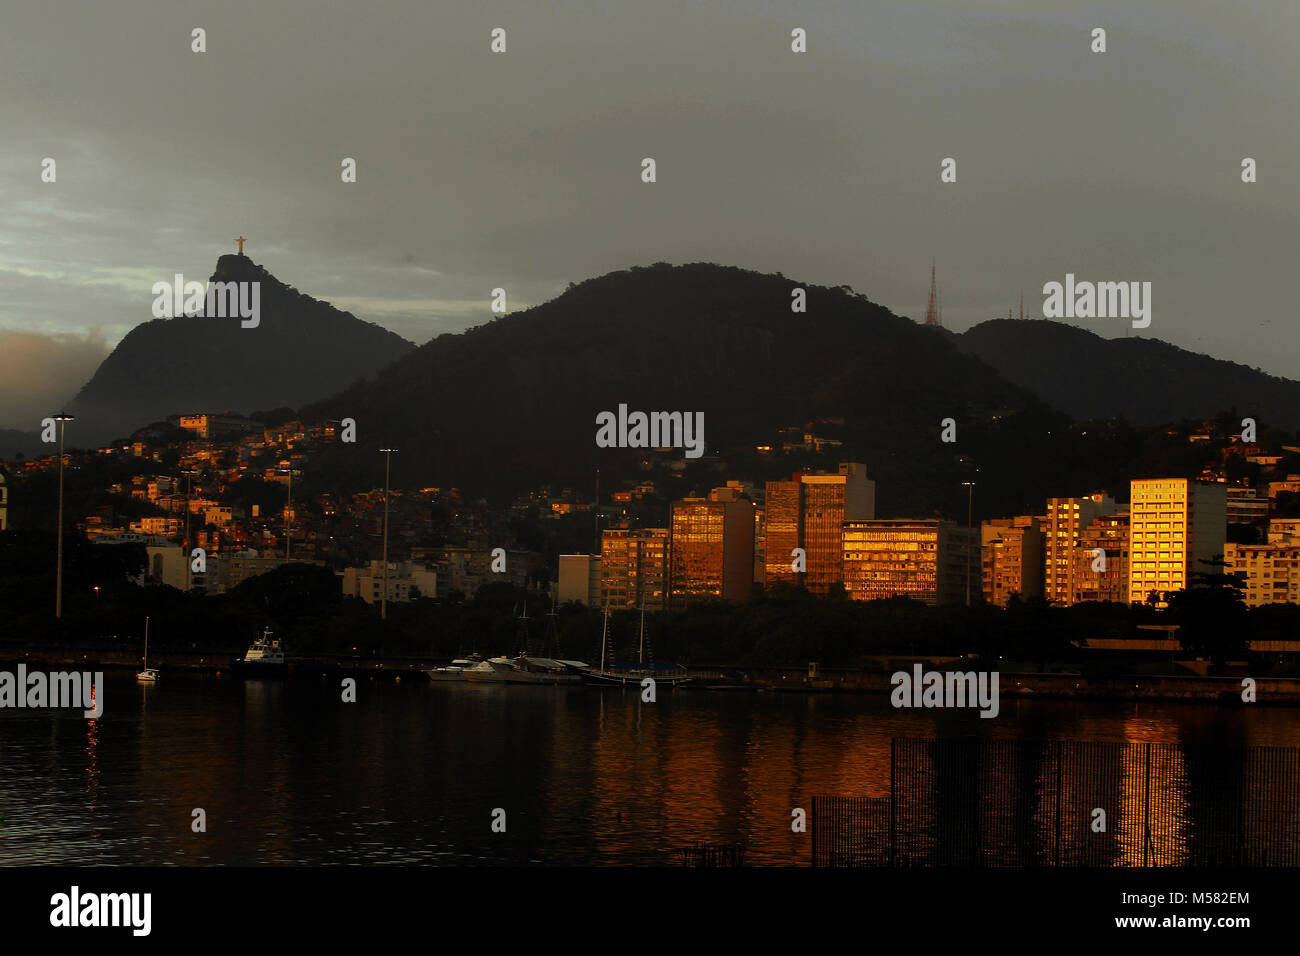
x,y
932,314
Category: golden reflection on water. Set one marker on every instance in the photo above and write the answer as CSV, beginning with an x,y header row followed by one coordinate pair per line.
x,y
287,772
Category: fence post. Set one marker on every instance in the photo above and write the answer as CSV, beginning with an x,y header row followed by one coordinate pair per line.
x,y
812,825
1146,800
1060,757
893,795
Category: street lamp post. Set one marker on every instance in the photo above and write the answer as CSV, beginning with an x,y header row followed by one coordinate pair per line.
x,y
185,542
58,574
288,509
383,599
970,502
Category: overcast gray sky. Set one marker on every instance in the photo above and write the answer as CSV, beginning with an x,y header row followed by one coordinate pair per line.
x,y
522,169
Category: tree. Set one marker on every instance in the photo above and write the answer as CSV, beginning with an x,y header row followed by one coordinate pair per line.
x,y
1211,613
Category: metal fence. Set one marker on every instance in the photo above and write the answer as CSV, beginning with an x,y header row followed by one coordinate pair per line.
x,y
1016,802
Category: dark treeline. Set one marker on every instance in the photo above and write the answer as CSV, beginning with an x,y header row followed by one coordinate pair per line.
x,y
784,627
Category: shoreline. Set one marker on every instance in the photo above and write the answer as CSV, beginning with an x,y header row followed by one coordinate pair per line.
x,y
1275,691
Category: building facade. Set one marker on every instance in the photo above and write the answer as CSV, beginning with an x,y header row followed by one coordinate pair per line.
x,y
579,579
809,512
928,560
634,568
1101,562
1175,524
1011,559
406,582
1063,524
711,548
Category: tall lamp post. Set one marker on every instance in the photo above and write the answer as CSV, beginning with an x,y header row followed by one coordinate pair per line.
x,y
383,600
288,510
61,418
185,543
970,502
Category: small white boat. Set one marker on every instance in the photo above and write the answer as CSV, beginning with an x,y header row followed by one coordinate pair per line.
x,y
455,671
149,674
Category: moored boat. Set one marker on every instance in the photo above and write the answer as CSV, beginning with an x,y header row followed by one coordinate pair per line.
x,y
455,671
147,674
264,658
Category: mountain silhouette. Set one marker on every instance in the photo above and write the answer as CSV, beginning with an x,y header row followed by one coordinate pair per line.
x,y
301,349
1145,381
511,405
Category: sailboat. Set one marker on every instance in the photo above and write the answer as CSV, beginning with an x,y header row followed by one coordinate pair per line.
x,y
149,674
622,676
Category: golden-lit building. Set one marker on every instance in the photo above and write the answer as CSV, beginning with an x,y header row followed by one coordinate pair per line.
x,y
1272,571
1064,522
926,560
711,547
1175,524
809,512
634,568
1093,580
1011,559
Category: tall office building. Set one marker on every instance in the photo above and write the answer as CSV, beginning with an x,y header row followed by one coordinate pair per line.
x,y
1064,522
1011,551
924,560
711,549
809,512
634,568
1175,524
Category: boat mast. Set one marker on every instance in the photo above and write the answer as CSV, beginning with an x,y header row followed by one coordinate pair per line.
x,y
604,637
641,653
146,642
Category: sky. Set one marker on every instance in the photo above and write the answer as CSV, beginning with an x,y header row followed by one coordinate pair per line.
x,y
522,170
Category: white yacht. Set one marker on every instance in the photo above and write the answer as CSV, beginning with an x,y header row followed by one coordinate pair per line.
x,y
455,671
525,670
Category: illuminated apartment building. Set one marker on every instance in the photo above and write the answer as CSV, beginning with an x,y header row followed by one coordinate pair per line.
x,y
1272,571
634,568
809,512
926,560
711,550
1175,524
1065,520
1011,552
1101,562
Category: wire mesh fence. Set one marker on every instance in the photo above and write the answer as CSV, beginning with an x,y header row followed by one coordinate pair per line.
x,y
1016,802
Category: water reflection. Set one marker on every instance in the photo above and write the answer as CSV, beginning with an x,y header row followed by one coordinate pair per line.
x,y
410,773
